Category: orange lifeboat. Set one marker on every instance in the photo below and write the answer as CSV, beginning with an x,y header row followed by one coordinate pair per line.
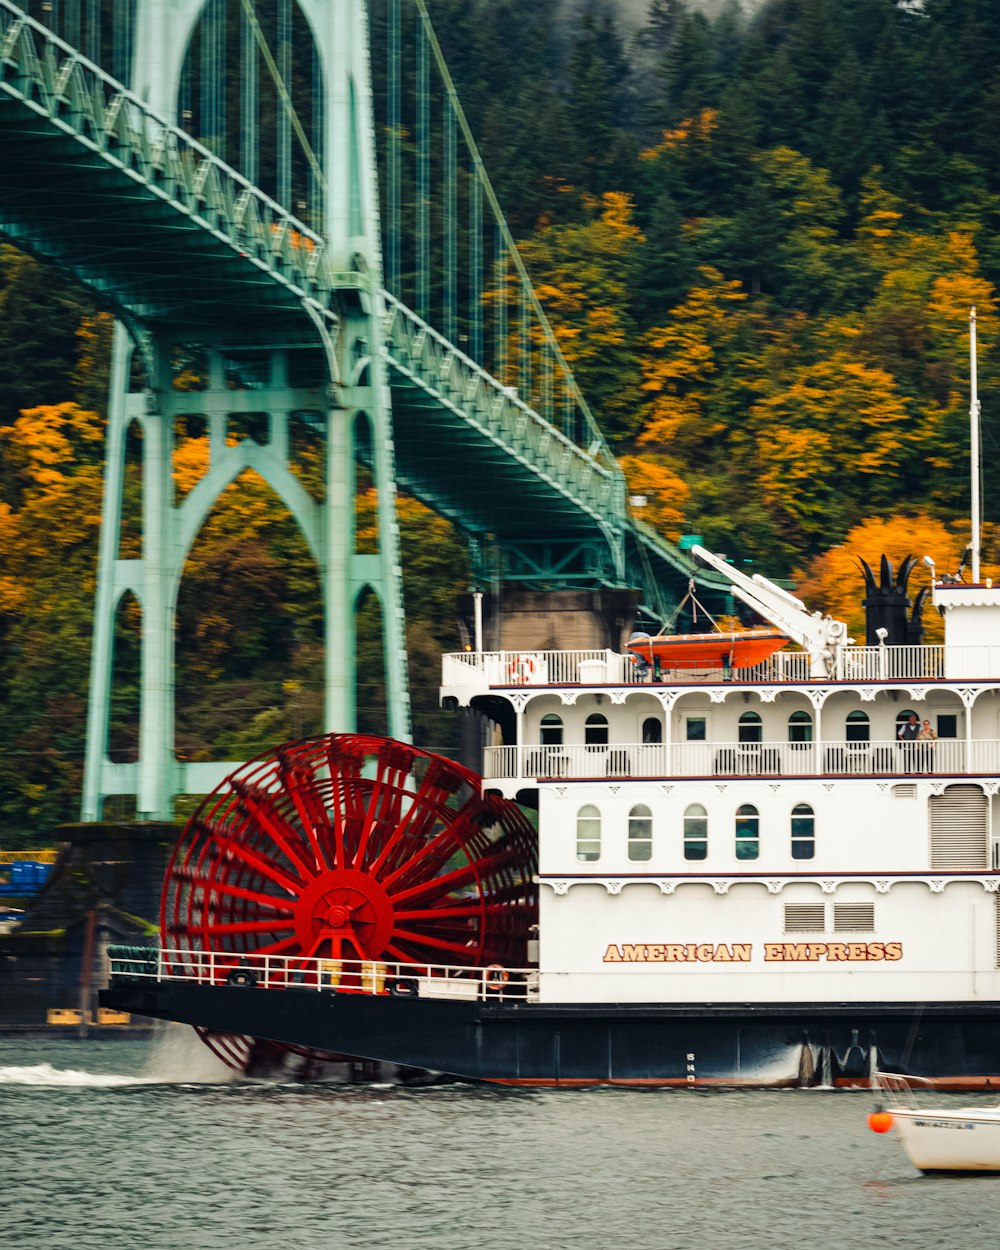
x,y
739,649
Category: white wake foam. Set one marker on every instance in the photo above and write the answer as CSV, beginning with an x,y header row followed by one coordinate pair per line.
x,y
177,1054
46,1074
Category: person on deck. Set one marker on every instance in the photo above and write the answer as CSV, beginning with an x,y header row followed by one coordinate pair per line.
x,y
907,734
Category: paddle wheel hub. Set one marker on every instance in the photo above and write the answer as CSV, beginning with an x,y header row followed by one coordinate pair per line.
x,y
350,848
344,908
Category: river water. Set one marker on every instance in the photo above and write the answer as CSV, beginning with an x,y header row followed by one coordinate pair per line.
x,y
149,1146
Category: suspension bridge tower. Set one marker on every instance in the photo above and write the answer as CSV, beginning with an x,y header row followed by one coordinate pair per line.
x,y
330,367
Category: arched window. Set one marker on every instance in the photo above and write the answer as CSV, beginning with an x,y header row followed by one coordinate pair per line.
x,y
751,727
800,727
857,728
803,832
588,834
747,832
652,729
640,834
551,730
595,730
695,832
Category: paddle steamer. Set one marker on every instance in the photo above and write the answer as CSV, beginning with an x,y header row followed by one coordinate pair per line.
x,y
739,876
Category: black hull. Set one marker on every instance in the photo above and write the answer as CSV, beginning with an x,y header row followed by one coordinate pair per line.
x,y
955,1045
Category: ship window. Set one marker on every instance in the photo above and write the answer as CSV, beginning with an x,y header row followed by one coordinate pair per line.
x,y
803,832
551,734
903,718
947,726
595,730
800,727
652,729
695,832
805,917
747,832
697,729
854,917
751,727
588,834
857,728
640,834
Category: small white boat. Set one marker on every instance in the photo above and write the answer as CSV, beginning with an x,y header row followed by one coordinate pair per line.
x,y
938,1139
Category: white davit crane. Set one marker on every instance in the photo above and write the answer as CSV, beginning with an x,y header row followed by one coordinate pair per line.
x,y
820,635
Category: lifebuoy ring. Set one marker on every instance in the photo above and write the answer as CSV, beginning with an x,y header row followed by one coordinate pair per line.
x,y
521,669
495,977
403,987
241,976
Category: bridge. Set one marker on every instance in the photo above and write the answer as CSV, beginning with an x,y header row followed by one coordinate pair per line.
x,y
459,393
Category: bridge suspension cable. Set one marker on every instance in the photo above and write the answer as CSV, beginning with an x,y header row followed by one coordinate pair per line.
x,y
590,437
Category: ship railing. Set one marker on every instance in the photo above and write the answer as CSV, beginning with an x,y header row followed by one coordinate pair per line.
x,y
895,663
248,970
838,758
606,667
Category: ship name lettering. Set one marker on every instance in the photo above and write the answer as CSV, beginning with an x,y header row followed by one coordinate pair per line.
x,y
678,953
742,952
832,952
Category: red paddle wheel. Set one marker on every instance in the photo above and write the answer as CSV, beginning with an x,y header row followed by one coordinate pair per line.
x,y
350,848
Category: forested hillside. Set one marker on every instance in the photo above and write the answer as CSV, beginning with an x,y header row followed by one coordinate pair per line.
x,y
758,239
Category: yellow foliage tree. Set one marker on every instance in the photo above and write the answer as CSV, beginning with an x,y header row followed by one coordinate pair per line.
x,y
666,494
833,581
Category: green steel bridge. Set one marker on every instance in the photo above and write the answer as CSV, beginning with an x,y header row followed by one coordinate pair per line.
x,y
102,181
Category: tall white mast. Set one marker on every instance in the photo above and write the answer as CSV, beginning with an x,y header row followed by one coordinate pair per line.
x,y
974,444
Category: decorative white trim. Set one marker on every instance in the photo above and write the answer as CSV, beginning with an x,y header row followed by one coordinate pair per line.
x,y
989,883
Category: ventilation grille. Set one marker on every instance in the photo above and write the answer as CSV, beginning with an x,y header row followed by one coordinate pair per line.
x,y
959,821
854,917
805,917
905,791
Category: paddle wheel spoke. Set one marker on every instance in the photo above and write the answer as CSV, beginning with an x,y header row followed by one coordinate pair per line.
x,y
264,866
440,885
253,896
438,944
258,808
312,814
278,948
458,911
246,926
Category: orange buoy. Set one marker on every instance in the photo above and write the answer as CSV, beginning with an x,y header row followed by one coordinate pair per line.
x,y
880,1121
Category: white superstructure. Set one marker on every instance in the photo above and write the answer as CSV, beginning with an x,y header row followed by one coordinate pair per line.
x,y
763,837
